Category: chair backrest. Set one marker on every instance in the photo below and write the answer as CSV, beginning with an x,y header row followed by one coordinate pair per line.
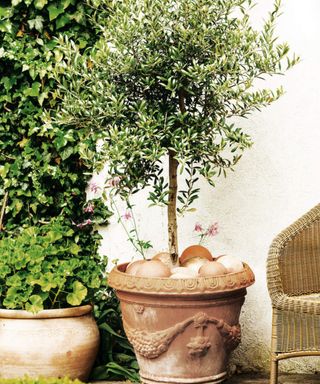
x,y
299,259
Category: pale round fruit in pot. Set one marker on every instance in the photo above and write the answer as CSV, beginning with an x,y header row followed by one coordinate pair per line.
x,y
232,263
183,273
195,263
212,268
195,251
153,268
133,266
165,258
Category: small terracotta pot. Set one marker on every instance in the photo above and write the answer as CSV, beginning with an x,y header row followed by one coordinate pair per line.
x,y
52,343
182,330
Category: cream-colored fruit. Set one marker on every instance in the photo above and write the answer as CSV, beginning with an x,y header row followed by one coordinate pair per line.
x,y
195,251
153,268
232,263
165,258
212,268
133,266
195,263
183,273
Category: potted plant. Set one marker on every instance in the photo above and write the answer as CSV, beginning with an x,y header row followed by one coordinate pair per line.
x,y
167,82
48,280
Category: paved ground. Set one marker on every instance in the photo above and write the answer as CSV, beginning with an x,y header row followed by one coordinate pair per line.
x,y
257,379
283,379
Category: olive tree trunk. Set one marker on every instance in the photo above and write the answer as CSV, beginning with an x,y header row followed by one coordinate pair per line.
x,y
172,208
173,191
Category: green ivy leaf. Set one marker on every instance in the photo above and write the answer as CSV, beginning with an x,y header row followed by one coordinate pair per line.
x,y
5,12
14,281
4,270
34,90
62,21
35,304
66,153
36,23
75,249
53,236
39,4
11,298
5,26
78,295
55,10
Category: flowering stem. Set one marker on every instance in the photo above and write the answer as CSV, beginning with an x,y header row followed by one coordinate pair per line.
x,y
202,237
211,231
135,229
125,228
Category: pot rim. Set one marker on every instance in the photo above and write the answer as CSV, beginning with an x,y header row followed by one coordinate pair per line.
x,y
231,282
46,313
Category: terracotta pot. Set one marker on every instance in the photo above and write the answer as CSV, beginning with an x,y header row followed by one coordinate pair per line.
x,y
182,330
52,343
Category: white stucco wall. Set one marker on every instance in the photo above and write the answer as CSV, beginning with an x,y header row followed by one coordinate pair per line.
x,y
275,182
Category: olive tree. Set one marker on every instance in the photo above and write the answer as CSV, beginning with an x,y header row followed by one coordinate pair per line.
x,y
171,79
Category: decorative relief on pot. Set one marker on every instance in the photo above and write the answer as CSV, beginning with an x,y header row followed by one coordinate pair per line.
x,y
152,344
139,309
231,334
199,346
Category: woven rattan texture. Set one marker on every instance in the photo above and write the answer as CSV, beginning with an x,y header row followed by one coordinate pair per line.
x,y
293,332
293,266
299,262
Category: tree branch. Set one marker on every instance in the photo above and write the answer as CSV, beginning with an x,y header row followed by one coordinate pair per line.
x,y
3,209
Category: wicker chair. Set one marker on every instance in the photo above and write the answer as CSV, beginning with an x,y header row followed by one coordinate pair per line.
x,y
293,275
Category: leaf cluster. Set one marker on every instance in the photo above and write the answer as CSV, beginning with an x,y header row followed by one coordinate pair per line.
x,y
49,266
116,358
172,76
40,166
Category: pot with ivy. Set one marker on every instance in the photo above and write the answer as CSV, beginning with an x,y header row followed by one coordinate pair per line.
x,y
164,91
48,283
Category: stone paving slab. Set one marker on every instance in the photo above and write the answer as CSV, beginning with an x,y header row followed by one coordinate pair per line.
x,y
283,379
254,379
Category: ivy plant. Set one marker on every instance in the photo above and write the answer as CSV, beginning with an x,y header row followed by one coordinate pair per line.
x,y
41,172
43,177
169,81
48,266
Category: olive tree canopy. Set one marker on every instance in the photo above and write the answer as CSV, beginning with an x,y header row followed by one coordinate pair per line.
x,y
166,80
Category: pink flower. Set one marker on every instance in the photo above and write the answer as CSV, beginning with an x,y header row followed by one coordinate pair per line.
x,y
198,227
85,223
114,182
127,215
94,187
212,230
89,208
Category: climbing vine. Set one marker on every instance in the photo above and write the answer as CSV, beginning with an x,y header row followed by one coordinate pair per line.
x,y
42,174
41,171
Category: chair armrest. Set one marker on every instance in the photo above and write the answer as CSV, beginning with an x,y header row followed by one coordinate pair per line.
x,y
279,298
297,304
